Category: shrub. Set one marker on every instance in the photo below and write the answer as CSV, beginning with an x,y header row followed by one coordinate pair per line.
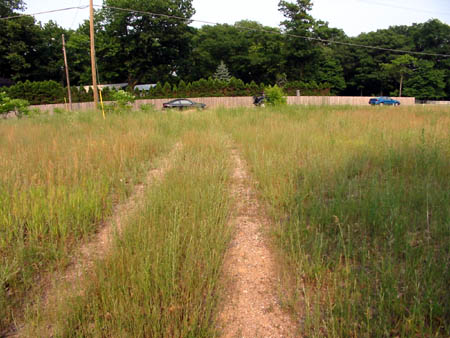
x,y
147,108
122,100
47,92
253,88
157,91
181,88
39,92
275,96
19,106
167,90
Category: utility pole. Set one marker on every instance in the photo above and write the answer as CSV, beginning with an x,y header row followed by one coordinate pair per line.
x,y
67,73
93,64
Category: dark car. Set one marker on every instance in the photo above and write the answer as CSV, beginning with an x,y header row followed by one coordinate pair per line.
x,y
259,100
183,104
384,100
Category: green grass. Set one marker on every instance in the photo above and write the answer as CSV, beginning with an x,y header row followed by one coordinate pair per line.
x,y
59,178
361,197
162,276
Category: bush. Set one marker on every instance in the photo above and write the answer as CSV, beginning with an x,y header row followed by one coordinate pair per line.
x,y
122,100
147,108
275,96
39,92
48,92
19,106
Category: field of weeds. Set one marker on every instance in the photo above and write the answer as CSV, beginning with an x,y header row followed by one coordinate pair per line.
x,y
361,202
59,178
359,198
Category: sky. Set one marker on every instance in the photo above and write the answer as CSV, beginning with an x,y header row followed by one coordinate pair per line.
x,y
352,16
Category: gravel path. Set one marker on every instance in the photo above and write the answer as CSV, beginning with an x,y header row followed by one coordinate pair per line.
x,y
251,305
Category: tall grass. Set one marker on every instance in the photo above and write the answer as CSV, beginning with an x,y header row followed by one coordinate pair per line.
x,y
361,197
162,275
59,178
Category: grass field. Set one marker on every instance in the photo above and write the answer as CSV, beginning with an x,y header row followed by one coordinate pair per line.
x,y
59,178
359,198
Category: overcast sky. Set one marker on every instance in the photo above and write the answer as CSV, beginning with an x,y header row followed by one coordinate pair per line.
x,y
353,16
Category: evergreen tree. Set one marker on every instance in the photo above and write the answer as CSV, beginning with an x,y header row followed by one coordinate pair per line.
x,y
222,72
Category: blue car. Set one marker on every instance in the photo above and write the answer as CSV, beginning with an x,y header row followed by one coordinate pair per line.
x,y
384,100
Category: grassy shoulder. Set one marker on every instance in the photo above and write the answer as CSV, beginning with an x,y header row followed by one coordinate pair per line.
x,y
59,178
361,197
161,278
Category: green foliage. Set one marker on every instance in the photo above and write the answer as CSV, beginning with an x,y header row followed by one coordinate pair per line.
x,y
222,72
182,88
158,91
275,96
132,49
8,7
38,92
249,50
46,92
19,106
426,82
122,100
400,67
167,90
142,50
360,202
59,179
299,53
147,108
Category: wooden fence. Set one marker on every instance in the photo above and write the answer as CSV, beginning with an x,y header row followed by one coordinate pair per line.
x,y
435,102
240,101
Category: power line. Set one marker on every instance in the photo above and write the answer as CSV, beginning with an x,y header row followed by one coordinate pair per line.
x,y
46,12
342,43
76,14
350,44
378,3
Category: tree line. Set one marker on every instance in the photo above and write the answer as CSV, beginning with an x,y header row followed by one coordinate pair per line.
x,y
137,48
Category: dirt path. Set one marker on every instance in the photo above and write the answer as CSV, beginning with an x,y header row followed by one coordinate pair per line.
x,y
64,285
251,305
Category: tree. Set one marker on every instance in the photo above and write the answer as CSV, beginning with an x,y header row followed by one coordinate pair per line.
x,y
7,7
433,36
250,50
400,67
51,65
78,56
426,82
147,48
362,65
299,51
222,72
20,48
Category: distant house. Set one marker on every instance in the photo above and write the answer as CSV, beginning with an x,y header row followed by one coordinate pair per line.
x,y
142,87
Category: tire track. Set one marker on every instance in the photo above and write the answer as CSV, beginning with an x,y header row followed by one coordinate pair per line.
x,y
251,306
62,285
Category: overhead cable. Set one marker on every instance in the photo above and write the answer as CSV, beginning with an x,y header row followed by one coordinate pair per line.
x,y
45,12
378,3
273,31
